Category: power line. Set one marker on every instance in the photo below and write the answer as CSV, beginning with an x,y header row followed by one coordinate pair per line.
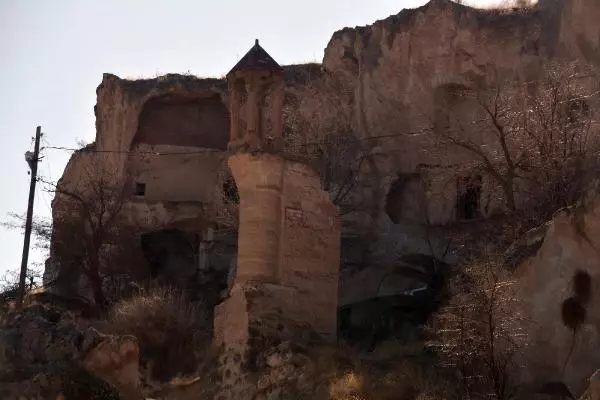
x,y
163,153
155,153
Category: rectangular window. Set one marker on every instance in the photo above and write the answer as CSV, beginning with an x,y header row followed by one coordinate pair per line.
x,y
140,189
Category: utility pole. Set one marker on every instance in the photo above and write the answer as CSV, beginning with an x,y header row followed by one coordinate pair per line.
x,y
32,160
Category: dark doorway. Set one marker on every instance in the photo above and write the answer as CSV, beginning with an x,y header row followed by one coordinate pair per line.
x,y
171,254
469,198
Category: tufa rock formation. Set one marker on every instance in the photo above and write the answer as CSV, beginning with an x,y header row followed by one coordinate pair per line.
x,y
380,85
558,286
288,238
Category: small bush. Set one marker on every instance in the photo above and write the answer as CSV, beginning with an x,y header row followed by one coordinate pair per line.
x,y
171,330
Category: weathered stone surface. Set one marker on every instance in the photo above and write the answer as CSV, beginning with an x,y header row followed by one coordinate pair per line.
x,y
379,80
288,236
569,250
255,101
288,246
444,42
132,149
258,315
281,371
116,360
384,79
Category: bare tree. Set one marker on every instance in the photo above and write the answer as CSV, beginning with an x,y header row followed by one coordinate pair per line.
x,y
41,229
91,234
558,120
9,282
318,129
339,160
522,134
479,334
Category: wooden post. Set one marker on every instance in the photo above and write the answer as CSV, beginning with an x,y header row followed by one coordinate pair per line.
x,y
33,164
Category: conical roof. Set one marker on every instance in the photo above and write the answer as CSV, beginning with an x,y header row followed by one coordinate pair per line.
x,y
256,59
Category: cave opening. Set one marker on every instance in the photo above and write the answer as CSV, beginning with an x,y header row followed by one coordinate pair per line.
x,y
170,252
184,121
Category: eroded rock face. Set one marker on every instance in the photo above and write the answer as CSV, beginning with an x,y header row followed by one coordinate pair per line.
x,y
379,80
405,56
383,81
45,351
152,135
559,287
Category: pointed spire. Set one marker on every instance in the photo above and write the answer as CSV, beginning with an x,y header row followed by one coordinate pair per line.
x,y
256,59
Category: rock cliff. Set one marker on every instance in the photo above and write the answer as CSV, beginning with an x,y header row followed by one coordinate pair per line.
x,y
168,137
377,82
392,66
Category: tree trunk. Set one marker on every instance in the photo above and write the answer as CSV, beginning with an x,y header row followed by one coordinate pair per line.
x,y
509,193
96,283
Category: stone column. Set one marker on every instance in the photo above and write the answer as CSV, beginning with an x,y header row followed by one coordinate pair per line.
x,y
259,182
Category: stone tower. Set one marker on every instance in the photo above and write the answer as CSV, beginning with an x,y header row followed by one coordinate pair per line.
x,y
286,281
256,101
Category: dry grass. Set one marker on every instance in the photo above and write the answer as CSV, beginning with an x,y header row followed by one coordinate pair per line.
x,y
351,376
172,331
404,381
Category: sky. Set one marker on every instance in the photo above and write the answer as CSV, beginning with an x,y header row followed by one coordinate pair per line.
x,y
53,55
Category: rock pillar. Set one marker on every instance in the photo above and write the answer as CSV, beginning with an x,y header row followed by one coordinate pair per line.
x,y
286,282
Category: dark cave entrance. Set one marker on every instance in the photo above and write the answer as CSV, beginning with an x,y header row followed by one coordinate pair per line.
x,y
171,253
197,263
469,198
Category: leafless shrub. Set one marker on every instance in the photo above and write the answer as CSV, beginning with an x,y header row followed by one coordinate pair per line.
x,y
172,331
